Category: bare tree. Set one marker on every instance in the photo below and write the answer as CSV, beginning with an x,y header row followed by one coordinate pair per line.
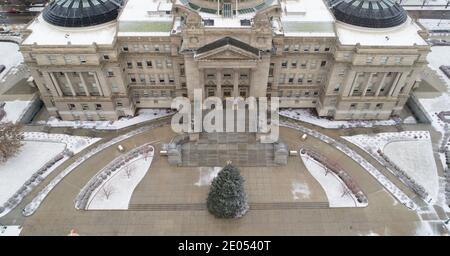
x,y
129,170
107,191
11,137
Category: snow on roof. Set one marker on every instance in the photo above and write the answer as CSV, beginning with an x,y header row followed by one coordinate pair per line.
x,y
47,34
146,18
138,10
402,35
306,18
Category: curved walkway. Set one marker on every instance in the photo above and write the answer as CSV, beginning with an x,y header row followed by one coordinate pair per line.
x,y
57,215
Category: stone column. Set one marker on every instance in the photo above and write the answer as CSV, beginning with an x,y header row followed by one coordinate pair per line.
x,y
83,82
201,81
348,83
55,84
219,83
235,83
369,80
97,81
380,84
400,84
394,84
70,84
353,83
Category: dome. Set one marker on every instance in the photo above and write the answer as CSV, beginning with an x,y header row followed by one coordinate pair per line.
x,y
81,13
369,13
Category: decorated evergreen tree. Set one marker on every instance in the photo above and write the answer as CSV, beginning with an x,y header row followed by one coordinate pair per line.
x,y
227,198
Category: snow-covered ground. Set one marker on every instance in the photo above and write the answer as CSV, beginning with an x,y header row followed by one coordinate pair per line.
x,y
73,143
10,230
300,190
143,115
410,150
14,110
120,187
391,187
37,200
439,55
9,56
38,149
306,115
206,175
337,192
18,169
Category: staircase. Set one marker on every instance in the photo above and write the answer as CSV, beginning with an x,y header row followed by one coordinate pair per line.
x,y
216,149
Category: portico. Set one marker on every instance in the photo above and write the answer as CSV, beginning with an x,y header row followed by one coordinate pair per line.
x,y
229,68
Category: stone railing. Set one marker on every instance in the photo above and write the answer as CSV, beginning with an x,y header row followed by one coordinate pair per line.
x,y
340,172
403,176
33,181
101,177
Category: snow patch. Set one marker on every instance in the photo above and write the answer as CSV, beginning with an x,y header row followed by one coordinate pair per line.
x,y
143,115
306,115
300,190
9,56
120,186
410,150
206,175
335,189
10,230
14,110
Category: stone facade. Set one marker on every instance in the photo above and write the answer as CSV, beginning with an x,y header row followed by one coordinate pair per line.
x,y
181,49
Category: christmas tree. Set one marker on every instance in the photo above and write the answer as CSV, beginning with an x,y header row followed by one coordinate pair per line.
x,y
227,198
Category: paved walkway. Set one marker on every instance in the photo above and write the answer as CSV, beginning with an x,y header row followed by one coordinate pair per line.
x,y
267,188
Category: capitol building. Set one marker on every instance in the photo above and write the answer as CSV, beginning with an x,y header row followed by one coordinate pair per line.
x,y
103,59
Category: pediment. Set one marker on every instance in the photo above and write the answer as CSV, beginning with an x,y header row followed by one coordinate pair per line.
x,y
227,53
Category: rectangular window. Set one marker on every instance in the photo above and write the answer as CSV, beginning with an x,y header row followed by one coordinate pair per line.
x,y
149,63
316,49
125,48
313,64
300,78
353,105
383,60
398,60
119,104
167,47
294,64
82,60
171,78
169,63
291,79
281,78
106,57
337,87
369,60
142,78
286,47
129,64
98,107
152,79
379,106
67,59
284,64
71,106
182,71
110,73
158,63
114,88
133,78
296,48
161,79
139,64
136,47
323,63
157,49
85,106
146,47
